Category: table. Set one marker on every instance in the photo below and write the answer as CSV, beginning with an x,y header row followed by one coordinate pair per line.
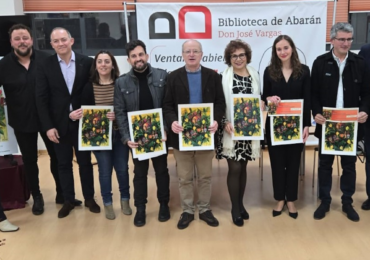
x,y
14,191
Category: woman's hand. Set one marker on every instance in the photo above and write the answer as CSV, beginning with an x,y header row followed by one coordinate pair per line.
x,y
111,116
75,114
306,133
274,99
229,128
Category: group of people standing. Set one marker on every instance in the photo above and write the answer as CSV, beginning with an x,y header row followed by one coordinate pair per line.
x,y
45,94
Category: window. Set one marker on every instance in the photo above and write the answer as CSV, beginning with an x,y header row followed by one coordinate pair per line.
x,y
92,31
361,25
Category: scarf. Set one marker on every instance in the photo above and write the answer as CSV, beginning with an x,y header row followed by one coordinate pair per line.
x,y
227,85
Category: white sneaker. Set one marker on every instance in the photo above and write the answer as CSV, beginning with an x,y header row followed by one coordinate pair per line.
x,y
125,206
6,226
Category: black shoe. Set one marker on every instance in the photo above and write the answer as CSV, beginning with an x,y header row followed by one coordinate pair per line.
x,y
38,205
321,211
293,215
351,213
65,210
164,212
93,207
276,213
238,221
140,217
366,205
209,218
185,220
59,199
244,214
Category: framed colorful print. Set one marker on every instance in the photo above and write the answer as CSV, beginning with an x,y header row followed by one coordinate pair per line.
x,y
8,142
286,124
286,107
195,119
95,129
247,117
146,129
339,133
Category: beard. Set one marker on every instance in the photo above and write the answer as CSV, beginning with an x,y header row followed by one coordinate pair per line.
x,y
23,53
140,68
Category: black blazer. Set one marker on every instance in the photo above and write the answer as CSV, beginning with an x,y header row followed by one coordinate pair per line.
x,y
325,80
52,95
19,86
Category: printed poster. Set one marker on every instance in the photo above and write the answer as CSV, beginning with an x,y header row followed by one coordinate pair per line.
x,y
8,142
286,122
339,133
195,119
146,129
95,129
247,117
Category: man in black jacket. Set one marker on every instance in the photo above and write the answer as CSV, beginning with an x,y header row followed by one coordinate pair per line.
x,y
193,84
60,81
18,77
365,53
142,88
339,79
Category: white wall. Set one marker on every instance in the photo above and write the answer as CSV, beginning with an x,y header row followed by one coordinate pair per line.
x,y
11,7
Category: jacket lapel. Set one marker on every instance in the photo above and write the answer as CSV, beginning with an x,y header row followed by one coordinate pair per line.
x,y
184,79
58,73
78,70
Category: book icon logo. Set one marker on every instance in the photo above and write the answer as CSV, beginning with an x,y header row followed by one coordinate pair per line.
x,y
194,22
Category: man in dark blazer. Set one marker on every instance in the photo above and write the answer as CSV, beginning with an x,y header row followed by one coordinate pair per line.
x,y
18,77
60,81
365,53
339,79
193,84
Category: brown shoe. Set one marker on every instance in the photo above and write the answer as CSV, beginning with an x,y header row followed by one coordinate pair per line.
x,y
64,211
93,207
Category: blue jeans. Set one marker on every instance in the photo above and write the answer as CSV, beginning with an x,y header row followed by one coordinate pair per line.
x,y
117,158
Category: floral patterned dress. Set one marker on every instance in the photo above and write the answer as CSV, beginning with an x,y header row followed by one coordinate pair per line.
x,y
243,149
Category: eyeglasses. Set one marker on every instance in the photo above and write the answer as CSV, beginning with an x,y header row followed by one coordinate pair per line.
x,y
188,52
241,56
343,40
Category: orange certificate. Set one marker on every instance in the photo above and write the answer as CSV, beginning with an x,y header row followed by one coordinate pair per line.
x,y
340,114
286,107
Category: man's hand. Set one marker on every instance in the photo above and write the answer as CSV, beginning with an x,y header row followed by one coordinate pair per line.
x,y
319,119
53,135
213,127
76,114
176,127
362,117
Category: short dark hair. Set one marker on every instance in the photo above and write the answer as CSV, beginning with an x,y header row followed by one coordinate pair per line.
x,y
133,44
19,26
94,75
233,46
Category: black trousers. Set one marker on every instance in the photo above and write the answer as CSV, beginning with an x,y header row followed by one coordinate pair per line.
x,y
64,152
285,161
2,214
347,180
141,180
28,145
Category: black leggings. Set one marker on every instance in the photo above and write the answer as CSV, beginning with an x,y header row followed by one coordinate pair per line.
x,y
236,182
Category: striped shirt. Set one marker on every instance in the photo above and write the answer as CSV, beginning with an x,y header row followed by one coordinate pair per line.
x,y
103,94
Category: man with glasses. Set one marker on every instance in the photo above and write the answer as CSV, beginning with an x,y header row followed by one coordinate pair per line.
x,y
193,84
339,79
365,53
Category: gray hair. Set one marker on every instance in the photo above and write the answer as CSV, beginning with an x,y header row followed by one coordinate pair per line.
x,y
192,40
340,27
61,28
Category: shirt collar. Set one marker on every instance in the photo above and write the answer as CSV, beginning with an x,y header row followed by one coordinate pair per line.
x,y
199,69
337,59
72,57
